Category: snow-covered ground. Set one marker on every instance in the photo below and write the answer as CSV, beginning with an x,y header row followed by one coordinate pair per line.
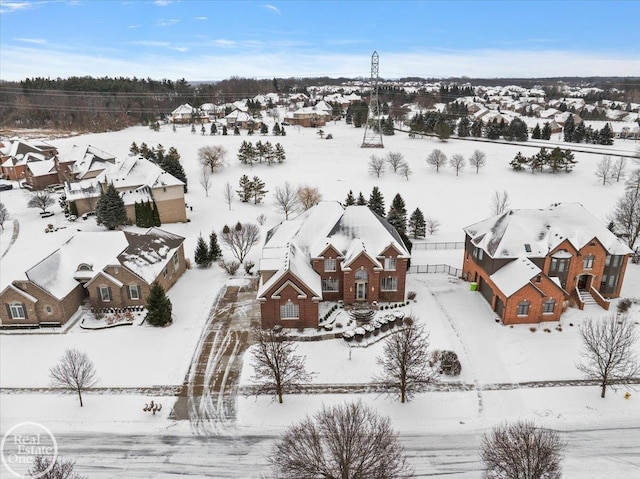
x,y
455,317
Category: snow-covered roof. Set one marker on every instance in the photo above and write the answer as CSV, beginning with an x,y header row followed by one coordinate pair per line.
x,y
514,275
185,109
351,231
148,254
145,254
536,232
55,273
296,262
41,168
87,159
135,171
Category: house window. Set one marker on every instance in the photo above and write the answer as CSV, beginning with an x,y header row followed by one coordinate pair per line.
x,y
105,293
17,311
603,282
523,308
478,253
330,285
390,264
389,284
164,272
587,262
134,292
558,265
48,309
175,261
607,261
549,306
362,275
616,261
289,311
613,280
84,267
330,264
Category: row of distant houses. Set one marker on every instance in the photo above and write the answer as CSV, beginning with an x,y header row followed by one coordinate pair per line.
x,y
87,171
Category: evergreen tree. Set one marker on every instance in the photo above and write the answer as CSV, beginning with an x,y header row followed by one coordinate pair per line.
x,y
215,253
606,135
464,128
264,129
133,149
279,152
269,153
246,189
155,215
257,190
569,160
387,126
246,153
519,162
536,133
569,128
224,130
376,202
397,216
158,306
110,210
476,128
546,131
492,131
350,199
202,256
175,169
580,133
417,224
214,130
276,129
361,200
517,131
236,131
556,160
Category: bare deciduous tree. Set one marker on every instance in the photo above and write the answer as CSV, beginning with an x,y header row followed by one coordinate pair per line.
x,y
405,170
4,215
458,163
349,441
499,202
205,179
633,183
286,199
395,160
376,165
608,351
619,168
626,216
40,199
45,468
240,238
604,170
431,225
522,451
478,159
229,194
405,363
74,371
213,157
308,196
277,368
437,158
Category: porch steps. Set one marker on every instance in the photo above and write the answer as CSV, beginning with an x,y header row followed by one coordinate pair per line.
x,y
586,298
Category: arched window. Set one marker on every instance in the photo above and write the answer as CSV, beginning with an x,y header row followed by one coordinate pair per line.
x,y
289,311
362,275
85,267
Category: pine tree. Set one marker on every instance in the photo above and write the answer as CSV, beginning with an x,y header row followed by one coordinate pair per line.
x,y
155,215
158,306
173,166
606,135
350,199
276,129
476,128
214,130
246,153
417,224
202,254
536,133
215,253
376,202
257,190
236,131
279,152
546,131
134,150
397,216
264,129
464,127
361,200
110,210
246,189
224,130
569,128
387,126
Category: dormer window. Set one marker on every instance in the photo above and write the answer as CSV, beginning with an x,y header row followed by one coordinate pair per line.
x,y
587,262
85,267
329,264
390,264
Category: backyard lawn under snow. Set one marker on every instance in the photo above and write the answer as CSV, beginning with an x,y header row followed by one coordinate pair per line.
x,y
455,317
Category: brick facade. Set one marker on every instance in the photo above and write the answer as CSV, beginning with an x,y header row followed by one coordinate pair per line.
x,y
289,290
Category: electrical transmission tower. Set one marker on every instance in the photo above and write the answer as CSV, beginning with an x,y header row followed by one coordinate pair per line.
x,y
373,129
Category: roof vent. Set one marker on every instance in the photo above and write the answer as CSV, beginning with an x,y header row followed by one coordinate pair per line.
x,y
527,247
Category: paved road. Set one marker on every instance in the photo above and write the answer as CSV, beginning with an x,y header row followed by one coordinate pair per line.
x,y
596,453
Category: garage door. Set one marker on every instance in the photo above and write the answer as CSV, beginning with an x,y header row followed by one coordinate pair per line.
x,y
485,290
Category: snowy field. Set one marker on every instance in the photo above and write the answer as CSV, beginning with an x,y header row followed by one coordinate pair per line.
x,y
456,318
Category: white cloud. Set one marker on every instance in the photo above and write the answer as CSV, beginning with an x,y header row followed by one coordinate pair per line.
x,y
25,62
272,8
162,3
200,18
224,43
133,26
37,41
180,49
150,43
8,7
167,23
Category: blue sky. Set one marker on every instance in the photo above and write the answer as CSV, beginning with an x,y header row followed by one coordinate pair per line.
x,y
212,40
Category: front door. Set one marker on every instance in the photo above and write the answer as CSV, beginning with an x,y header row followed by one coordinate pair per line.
x,y
361,291
583,282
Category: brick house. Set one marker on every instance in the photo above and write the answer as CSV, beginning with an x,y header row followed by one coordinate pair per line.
x,y
138,180
329,253
529,263
16,154
111,269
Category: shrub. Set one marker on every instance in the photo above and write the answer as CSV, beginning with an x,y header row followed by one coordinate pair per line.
x,y
449,363
248,266
231,267
532,329
624,305
411,295
408,320
338,325
261,219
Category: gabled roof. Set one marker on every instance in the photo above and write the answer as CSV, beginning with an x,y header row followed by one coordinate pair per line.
x,y
147,254
24,294
135,171
535,233
41,168
296,262
512,277
87,159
